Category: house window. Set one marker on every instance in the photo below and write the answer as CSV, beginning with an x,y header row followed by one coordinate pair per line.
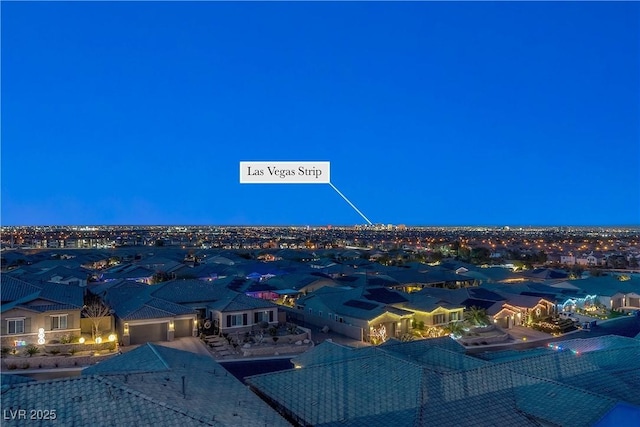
x,y
263,316
15,326
310,311
59,321
320,313
341,320
453,316
236,320
438,318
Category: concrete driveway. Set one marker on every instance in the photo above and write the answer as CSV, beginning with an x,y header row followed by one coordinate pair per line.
x,y
191,344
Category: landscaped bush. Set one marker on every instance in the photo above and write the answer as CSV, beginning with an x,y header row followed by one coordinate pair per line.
x,y
5,351
55,351
31,350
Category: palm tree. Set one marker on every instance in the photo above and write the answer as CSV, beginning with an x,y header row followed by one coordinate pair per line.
x,y
477,316
456,329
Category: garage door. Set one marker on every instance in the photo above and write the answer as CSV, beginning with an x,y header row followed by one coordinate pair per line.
x,y
141,334
183,328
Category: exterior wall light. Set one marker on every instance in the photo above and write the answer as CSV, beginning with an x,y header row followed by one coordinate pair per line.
x,y
99,340
112,337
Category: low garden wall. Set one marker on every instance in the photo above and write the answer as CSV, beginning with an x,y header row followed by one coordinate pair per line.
x,y
270,349
11,363
492,339
77,347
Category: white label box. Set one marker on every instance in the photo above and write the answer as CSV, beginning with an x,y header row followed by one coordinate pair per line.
x,y
285,172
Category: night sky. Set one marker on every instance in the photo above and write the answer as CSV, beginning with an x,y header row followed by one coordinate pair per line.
x,y
431,113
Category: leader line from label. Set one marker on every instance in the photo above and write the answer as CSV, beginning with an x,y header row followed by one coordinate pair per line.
x,y
351,204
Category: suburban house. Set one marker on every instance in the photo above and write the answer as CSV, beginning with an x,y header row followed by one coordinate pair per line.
x,y
431,311
128,272
238,313
192,293
516,310
299,283
591,260
615,292
411,280
351,312
64,275
38,313
142,317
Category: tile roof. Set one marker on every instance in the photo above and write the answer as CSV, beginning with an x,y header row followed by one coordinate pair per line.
x,y
61,293
211,393
83,401
19,293
138,302
14,289
189,291
51,307
10,379
543,388
584,345
239,302
337,392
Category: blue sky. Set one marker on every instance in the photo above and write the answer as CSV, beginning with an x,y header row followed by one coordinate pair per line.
x,y
433,113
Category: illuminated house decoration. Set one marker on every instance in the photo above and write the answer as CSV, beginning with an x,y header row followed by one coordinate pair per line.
x,y
378,335
431,314
37,313
580,303
356,312
520,309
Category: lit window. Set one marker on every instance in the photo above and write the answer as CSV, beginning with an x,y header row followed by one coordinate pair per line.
x,y
59,321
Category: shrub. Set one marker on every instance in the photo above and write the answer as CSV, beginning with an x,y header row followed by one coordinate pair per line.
x,y
65,339
54,351
72,350
31,350
273,331
12,366
5,350
25,366
275,339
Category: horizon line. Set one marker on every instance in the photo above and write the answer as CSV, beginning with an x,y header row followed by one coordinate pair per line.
x,y
504,226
